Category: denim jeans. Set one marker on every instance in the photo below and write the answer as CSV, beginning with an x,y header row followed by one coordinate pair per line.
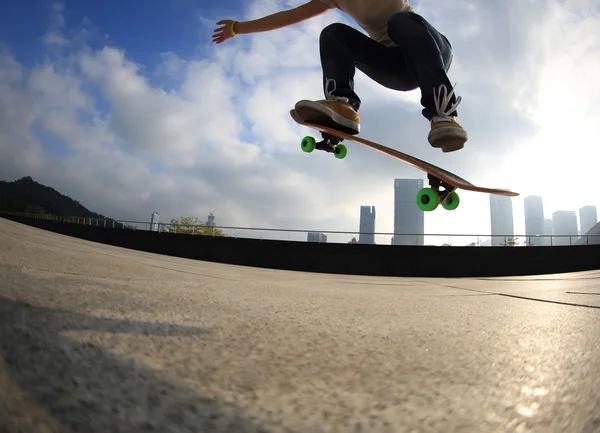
x,y
421,59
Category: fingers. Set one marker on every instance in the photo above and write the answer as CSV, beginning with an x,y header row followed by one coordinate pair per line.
x,y
220,34
224,24
221,37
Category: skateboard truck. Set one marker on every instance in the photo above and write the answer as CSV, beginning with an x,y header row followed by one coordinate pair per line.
x,y
429,198
331,139
436,183
330,143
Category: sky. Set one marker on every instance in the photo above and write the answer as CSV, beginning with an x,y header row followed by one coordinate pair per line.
x,y
130,108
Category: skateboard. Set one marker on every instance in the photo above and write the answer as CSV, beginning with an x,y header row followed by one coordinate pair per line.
x,y
442,183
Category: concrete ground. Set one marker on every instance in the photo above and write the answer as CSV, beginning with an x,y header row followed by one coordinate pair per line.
x,y
95,338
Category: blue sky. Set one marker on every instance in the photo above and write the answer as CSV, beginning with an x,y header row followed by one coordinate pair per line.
x,y
129,108
144,29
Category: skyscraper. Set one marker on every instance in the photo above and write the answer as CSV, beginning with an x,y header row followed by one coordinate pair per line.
x,y
588,218
211,220
534,220
564,223
154,222
409,220
316,237
367,225
548,231
501,216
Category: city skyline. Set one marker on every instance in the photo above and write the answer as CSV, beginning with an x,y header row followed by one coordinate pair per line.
x,y
538,227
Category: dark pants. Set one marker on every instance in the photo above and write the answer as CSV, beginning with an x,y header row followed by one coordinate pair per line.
x,y
420,60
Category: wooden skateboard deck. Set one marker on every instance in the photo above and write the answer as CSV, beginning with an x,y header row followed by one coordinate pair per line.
x,y
438,177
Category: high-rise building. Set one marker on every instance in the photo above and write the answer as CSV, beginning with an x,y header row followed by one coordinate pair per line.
x,y
501,216
548,231
564,223
588,218
317,237
409,220
367,225
154,222
211,220
534,220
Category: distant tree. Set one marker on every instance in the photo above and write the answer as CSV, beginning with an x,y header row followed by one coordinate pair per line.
x,y
510,242
194,226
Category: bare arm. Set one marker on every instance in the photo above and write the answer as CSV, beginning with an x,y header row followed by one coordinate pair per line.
x,y
270,22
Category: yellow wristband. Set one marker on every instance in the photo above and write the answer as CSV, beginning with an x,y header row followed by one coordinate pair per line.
x,y
234,34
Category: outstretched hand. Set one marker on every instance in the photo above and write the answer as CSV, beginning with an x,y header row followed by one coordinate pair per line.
x,y
221,34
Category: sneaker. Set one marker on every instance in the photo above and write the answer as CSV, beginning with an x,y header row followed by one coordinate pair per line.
x,y
334,112
446,133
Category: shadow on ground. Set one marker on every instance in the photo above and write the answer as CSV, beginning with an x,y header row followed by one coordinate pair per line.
x,y
66,385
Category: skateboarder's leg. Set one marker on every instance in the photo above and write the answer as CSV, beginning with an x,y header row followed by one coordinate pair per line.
x,y
342,49
428,55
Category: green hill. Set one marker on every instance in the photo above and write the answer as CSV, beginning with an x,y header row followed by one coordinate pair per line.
x,y
26,195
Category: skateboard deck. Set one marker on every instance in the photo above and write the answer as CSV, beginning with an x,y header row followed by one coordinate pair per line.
x,y
428,199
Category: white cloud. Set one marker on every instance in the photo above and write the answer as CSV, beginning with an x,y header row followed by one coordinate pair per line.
x,y
220,135
20,152
54,34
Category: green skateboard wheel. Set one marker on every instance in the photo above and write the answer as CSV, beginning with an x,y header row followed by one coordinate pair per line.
x,y
428,199
453,203
340,151
308,144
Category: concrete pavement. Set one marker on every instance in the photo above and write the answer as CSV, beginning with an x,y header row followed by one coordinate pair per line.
x,y
97,338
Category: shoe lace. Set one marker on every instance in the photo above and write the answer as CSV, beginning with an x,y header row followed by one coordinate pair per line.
x,y
440,105
329,93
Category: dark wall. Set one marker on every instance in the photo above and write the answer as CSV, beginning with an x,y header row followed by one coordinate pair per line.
x,y
383,260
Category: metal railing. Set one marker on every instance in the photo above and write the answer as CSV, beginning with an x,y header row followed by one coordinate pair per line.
x,y
330,236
